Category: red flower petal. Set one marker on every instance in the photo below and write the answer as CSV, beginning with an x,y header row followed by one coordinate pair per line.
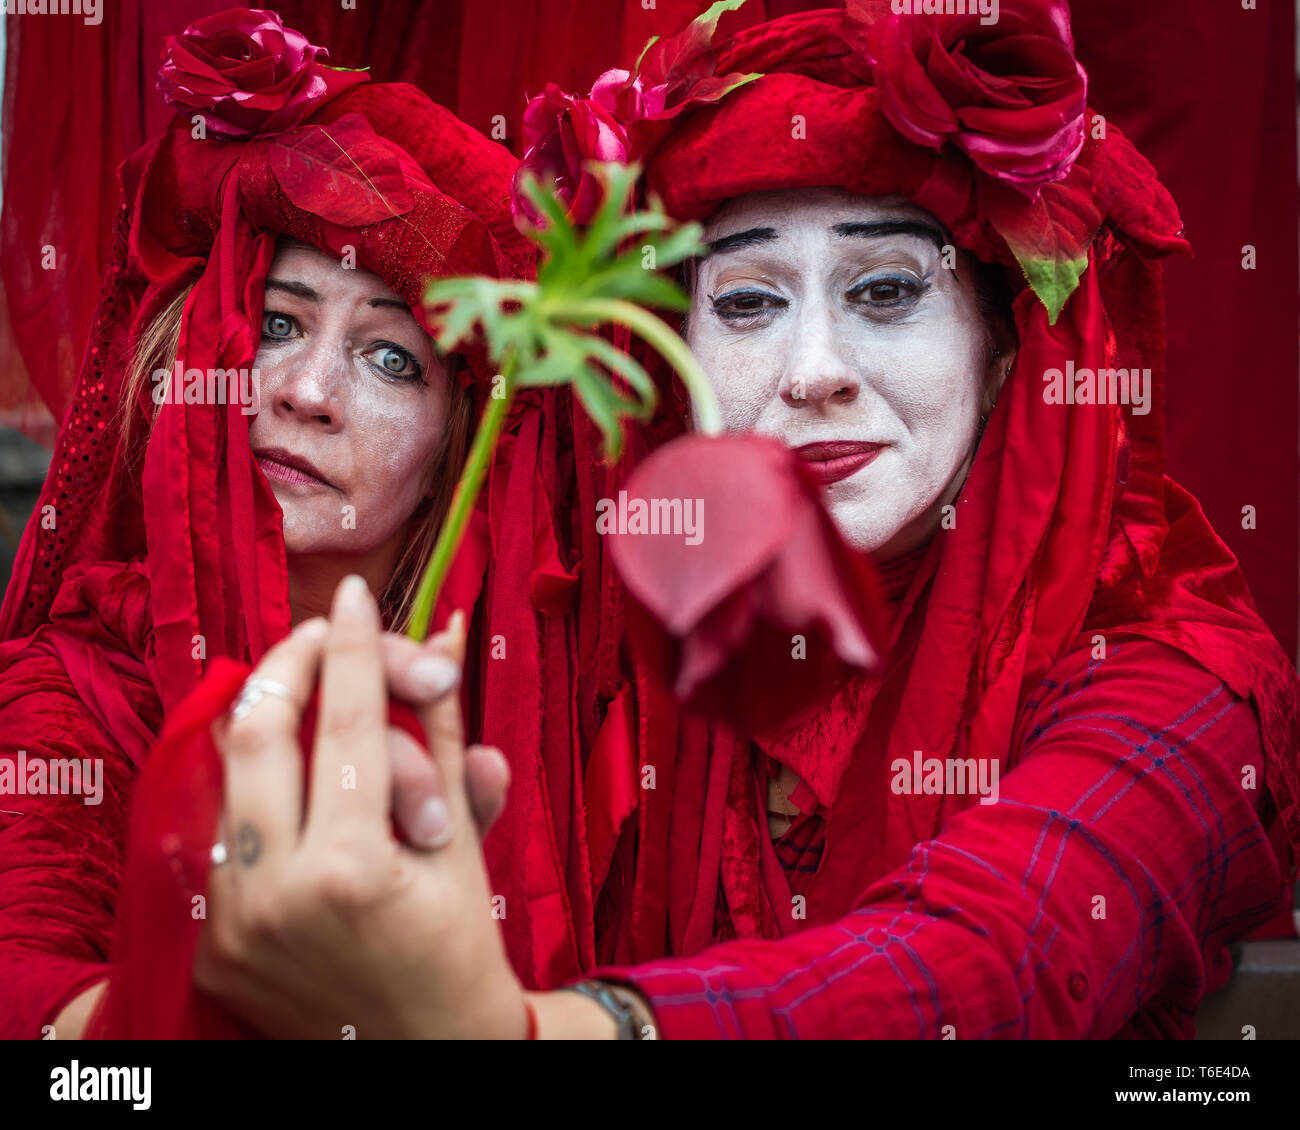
x,y
770,611
736,478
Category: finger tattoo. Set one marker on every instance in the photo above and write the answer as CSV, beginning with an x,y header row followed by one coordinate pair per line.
x,y
249,843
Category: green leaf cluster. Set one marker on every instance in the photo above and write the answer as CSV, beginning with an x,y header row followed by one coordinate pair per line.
x,y
608,271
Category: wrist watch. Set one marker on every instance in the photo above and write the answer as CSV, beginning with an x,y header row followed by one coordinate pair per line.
x,y
618,1003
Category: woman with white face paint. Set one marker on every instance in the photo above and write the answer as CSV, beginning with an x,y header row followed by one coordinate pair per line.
x,y
1031,821
830,322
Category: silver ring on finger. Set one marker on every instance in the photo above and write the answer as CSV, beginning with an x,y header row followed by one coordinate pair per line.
x,y
253,691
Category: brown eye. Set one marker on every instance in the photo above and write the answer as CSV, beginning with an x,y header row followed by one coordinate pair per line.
x,y
743,305
886,292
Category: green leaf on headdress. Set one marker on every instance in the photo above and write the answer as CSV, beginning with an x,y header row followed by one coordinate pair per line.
x,y
1049,236
1053,281
696,35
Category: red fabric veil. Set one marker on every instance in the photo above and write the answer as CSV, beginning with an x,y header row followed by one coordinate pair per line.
x,y
1066,527
169,566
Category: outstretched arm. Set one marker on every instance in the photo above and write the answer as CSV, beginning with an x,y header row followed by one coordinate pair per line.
x,y
1097,896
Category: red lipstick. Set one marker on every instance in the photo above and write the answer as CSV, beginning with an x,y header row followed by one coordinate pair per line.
x,y
836,461
285,467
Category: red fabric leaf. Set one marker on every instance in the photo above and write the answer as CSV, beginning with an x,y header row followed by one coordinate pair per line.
x,y
1048,236
687,56
344,172
1131,197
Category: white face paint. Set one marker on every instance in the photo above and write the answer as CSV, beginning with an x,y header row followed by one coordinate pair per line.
x,y
852,342
350,383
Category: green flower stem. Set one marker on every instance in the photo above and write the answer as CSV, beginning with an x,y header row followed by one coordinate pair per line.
x,y
665,341
462,505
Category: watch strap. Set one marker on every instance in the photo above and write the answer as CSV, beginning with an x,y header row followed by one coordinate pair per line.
x,y
625,1016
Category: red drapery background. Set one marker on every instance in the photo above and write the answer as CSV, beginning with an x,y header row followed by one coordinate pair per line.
x,y
1208,95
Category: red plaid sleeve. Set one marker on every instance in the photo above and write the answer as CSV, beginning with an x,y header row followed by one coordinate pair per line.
x,y
1096,898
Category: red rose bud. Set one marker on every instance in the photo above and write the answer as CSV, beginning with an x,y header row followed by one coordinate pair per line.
x,y
561,134
743,597
248,74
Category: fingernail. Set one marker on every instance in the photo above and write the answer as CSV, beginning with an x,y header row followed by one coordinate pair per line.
x,y
432,827
353,596
434,675
310,629
456,625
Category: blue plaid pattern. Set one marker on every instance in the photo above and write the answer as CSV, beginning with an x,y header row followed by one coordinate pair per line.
x,y
1096,898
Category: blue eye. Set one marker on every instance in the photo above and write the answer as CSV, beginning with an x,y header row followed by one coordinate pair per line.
x,y
277,326
394,361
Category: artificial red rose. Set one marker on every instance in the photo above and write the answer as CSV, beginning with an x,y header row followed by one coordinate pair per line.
x,y
562,133
755,610
672,75
247,73
1010,93
628,99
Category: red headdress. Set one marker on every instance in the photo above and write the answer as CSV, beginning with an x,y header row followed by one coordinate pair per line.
x,y
1066,526
130,584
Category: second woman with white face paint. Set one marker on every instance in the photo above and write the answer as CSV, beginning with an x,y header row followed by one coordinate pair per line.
x,y
872,910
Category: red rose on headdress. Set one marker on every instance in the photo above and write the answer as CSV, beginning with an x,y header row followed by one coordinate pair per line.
x,y
628,98
248,73
562,133
671,76
751,622
1009,93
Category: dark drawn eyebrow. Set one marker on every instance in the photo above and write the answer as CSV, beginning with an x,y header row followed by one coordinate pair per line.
x,y
874,229
302,290
749,238
860,229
